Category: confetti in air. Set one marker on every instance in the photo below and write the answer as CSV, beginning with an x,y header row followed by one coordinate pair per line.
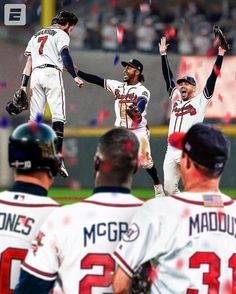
x,y
116,59
120,34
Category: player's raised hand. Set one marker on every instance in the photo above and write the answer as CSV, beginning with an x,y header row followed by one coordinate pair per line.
x,y
78,82
163,46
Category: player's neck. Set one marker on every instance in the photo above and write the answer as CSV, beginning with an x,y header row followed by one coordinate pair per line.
x,y
132,82
202,185
41,179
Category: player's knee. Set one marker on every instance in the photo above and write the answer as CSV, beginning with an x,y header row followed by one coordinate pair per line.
x,y
170,187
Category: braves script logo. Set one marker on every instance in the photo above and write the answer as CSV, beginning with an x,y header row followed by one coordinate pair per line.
x,y
37,242
132,233
180,111
125,98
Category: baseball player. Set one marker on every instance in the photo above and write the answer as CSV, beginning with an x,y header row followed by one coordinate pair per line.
x,y
131,101
78,240
187,109
47,53
24,207
190,235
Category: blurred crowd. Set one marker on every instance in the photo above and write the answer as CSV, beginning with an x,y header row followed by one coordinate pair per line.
x,y
187,25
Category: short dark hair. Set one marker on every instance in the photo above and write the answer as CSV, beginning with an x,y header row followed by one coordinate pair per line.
x,y
119,148
65,17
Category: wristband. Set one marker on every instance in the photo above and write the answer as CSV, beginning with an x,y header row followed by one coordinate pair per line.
x,y
25,80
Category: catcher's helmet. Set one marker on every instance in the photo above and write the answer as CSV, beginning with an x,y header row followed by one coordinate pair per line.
x,y
33,147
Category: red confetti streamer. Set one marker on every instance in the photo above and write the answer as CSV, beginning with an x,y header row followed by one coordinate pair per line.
x,y
103,114
153,274
120,34
217,71
220,97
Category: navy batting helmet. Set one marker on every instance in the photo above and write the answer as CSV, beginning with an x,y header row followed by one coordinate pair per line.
x,y
33,147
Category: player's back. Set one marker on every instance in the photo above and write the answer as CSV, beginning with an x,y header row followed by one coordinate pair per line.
x,y
21,215
46,45
196,244
85,235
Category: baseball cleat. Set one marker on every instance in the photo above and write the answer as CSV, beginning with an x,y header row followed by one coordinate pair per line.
x,y
159,192
62,171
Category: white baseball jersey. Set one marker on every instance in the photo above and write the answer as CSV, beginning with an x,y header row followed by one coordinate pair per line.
x,y
126,95
21,215
183,115
191,237
46,82
46,45
77,241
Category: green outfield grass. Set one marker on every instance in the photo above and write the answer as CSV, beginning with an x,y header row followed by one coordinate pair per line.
x,y
67,196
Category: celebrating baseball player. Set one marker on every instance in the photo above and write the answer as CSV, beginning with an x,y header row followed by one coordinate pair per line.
x,y
131,101
77,242
25,206
47,53
190,236
187,109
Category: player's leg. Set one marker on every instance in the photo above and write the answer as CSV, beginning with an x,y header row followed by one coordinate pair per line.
x,y
56,100
147,161
171,174
37,95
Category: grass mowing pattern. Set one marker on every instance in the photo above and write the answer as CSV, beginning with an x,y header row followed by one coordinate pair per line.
x,y
68,196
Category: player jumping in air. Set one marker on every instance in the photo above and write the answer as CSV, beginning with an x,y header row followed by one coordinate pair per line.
x,y
47,53
187,108
131,101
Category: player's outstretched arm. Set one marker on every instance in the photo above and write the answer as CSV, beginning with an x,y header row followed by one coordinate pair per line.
x,y
167,73
90,78
210,84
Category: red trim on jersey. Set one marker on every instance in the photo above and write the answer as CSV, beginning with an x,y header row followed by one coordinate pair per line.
x,y
28,205
29,267
198,202
111,204
123,262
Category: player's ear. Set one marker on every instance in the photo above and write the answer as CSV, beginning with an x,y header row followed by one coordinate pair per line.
x,y
136,166
96,163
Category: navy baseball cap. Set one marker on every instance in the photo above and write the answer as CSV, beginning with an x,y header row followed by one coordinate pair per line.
x,y
133,63
187,79
205,144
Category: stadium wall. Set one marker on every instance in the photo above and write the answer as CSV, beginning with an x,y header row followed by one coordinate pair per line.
x,y
79,152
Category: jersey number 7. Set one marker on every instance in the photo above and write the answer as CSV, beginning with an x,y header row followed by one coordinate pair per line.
x,y
42,40
90,281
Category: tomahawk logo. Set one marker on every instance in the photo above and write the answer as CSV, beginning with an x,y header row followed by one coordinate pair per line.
x,y
14,14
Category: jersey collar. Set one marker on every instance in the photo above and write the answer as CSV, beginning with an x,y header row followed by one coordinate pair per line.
x,y
111,190
28,188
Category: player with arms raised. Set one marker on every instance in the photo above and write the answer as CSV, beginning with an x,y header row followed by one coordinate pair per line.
x,y
78,241
187,108
131,102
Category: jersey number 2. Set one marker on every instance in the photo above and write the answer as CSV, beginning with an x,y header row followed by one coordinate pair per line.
x,y
42,40
211,278
7,257
90,281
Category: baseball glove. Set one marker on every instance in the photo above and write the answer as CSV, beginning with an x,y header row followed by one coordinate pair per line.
x,y
20,100
141,281
134,114
222,38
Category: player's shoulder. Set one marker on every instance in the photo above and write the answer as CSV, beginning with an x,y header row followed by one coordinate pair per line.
x,y
26,200
143,91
